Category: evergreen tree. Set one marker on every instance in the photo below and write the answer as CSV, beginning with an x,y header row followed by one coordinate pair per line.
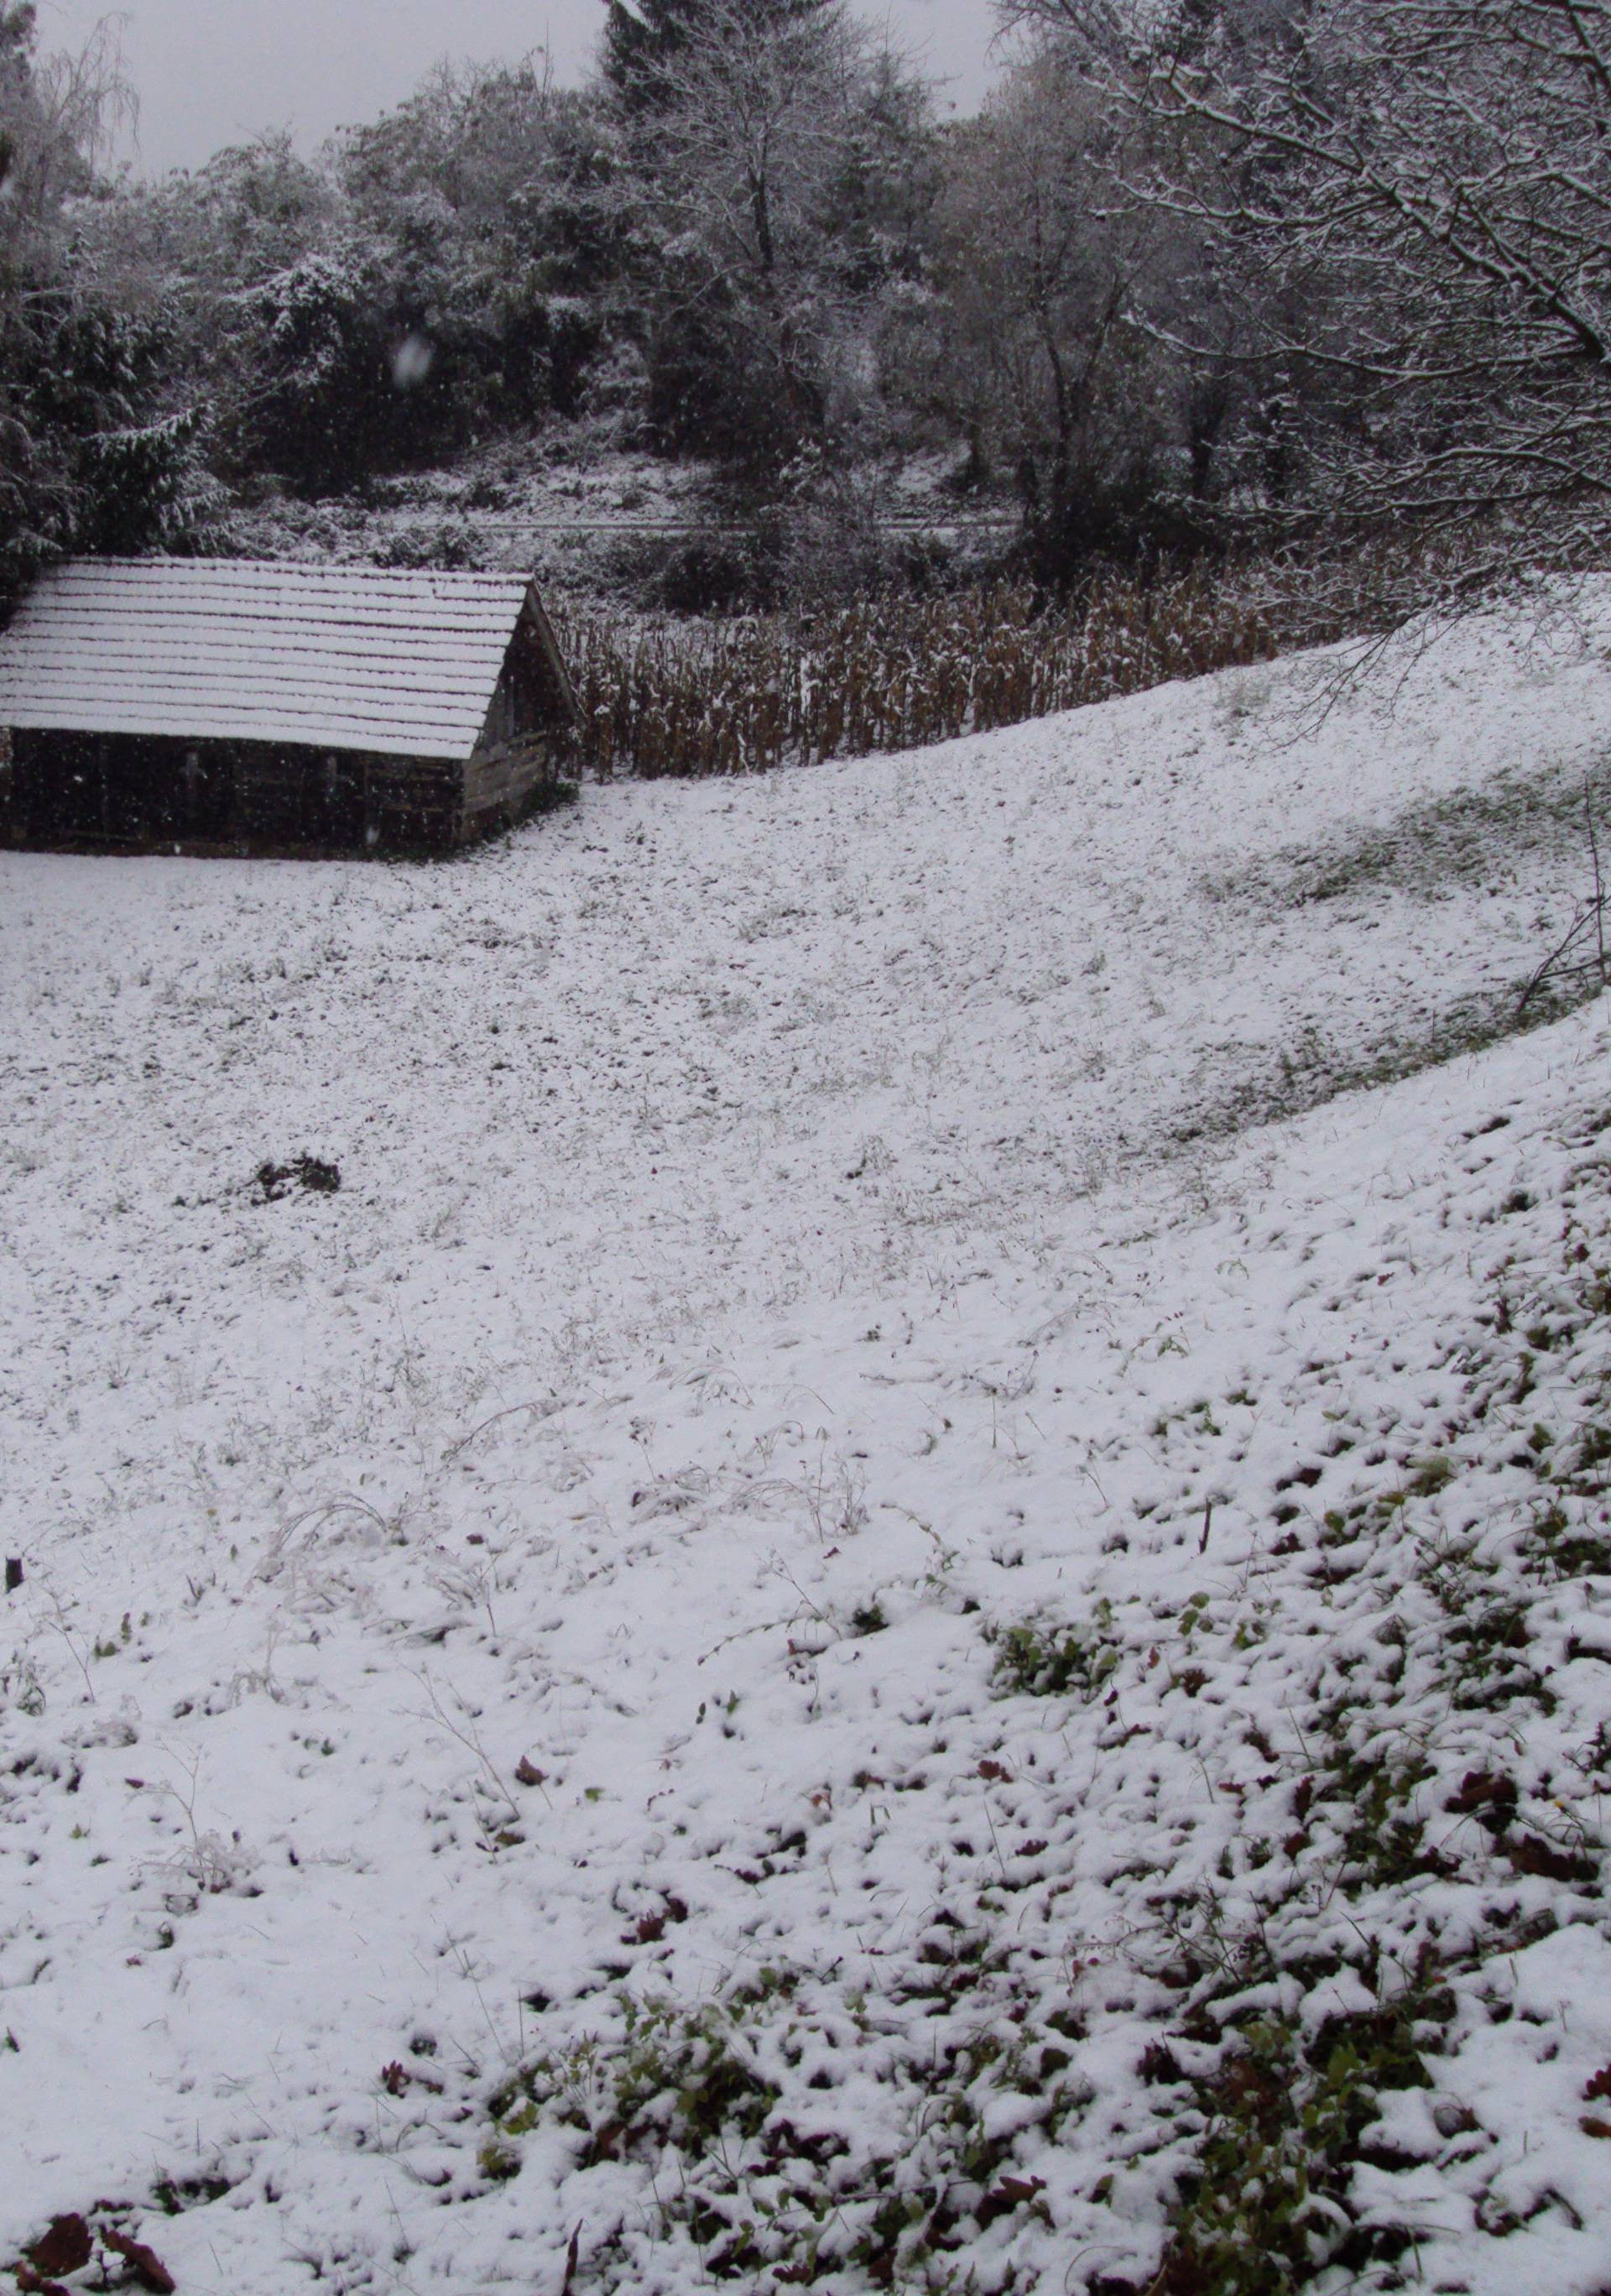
x,y
93,453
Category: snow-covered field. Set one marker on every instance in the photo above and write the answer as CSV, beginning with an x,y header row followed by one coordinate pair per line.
x,y
597,521
578,511
857,1614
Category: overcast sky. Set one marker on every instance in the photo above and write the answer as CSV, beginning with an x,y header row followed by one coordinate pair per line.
x,y
211,72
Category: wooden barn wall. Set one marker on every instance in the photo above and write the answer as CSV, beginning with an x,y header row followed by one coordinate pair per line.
x,y
499,783
516,756
144,791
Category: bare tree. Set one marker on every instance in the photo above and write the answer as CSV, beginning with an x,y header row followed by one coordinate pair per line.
x,y
752,156
1413,200
1044,279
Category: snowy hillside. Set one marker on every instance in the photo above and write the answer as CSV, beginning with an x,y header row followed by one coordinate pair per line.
x,y
909,1588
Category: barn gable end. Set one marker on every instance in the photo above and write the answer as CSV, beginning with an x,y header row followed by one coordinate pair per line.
x,y
516,736
267,706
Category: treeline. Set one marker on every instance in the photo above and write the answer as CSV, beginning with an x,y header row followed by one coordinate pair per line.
x,y
1217,276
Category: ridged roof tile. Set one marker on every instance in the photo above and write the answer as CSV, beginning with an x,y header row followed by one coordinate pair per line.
x,y
404,663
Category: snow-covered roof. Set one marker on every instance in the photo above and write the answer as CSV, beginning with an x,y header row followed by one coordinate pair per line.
x,y
337,657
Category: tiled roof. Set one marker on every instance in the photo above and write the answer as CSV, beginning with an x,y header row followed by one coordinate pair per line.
x,y
337,657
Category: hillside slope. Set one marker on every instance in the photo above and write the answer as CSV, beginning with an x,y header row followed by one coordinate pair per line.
x,y
839,1622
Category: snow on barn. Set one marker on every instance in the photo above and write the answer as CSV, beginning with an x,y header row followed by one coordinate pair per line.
x,y
261,705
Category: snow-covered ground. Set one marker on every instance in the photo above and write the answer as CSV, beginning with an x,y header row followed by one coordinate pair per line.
x,y
599,522
582,514
857,1614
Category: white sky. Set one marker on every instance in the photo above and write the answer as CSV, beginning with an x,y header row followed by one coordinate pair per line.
x,y
211,72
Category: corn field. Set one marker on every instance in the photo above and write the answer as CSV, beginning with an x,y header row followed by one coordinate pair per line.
x,y
741,696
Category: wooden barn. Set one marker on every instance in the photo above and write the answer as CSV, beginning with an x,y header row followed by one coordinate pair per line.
x,y
245,706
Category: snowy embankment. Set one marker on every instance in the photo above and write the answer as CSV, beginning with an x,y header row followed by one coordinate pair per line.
x,y
839,1623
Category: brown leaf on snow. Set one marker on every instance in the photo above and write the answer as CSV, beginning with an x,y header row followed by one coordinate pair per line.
x,y
526,1773
35,2283
397,2078
652,1927
66,2247
1530,1854
143,2266
1600,2084
1488,1795
1011,2193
